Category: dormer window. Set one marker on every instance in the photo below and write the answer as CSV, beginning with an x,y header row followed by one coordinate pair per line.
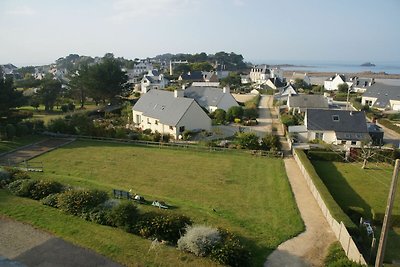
x,y
335,117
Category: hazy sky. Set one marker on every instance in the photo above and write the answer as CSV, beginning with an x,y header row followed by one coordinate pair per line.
x,y
40,31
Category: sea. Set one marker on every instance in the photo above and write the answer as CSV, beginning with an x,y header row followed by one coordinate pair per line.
x,y
332,66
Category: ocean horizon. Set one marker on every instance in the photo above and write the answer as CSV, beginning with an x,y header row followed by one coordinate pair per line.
x,y
333,66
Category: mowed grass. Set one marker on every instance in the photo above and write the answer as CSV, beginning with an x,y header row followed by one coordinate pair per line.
x,y
251,196
6,146
117,245
368,189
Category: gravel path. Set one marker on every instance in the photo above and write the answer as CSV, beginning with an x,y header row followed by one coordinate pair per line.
x,y
31,151
310,247
22,245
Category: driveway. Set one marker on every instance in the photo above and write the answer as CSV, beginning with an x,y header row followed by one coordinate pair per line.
x,y
22,245
310,247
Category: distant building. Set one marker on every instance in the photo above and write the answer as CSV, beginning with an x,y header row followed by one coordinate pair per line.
x,y
301,103
153,80
306,79
261,73
211,98
354,83
142,67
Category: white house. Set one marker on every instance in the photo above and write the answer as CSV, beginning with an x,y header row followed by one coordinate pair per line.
x,y
333,82
261,73
169,113
153,80
285,92
382,96
211,98
142,67
339,127
306,79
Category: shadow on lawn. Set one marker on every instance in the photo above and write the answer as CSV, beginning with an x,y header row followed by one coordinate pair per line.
x,y
348,199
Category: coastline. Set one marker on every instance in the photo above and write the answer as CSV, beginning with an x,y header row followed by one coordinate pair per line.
x,y
364,74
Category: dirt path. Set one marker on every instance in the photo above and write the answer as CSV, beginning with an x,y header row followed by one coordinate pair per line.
x,y
23,245
310,247
31,151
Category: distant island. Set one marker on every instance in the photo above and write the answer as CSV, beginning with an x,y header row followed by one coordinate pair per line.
x,y
367,64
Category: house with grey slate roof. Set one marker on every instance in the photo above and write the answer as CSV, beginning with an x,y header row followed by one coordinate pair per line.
x,y
382,96
169,113
153,80
338,127
300,103
211,98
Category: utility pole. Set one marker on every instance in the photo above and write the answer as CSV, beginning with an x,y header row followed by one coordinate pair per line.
x,y
386,221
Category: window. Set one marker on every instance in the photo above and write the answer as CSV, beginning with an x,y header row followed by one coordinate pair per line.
x,y
156,122
319,136
343,142
335,117
353,143
358,136
181,129
171,127
148,121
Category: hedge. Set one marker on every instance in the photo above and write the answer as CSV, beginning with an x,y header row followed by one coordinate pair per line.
x,y
378,218
326,155
326,196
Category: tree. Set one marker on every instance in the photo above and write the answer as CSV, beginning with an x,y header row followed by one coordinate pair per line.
x,y
234,112
79,84
9,97
182,68
219,115
367,152
248,140
49,92
343,87
201,66
233,80
271,142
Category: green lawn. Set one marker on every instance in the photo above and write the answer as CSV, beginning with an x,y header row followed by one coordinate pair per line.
x,y
6,146
353,187
251,195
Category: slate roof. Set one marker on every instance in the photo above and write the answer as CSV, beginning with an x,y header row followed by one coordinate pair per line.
x,y
277,82
384,93
308,101
163,105
345,123
205,96
192,76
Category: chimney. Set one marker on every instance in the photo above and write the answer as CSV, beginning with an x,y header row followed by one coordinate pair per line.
x,y
226,89
178,93
183,86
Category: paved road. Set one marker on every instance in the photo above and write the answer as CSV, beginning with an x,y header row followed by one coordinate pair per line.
x,y
22,245
310,247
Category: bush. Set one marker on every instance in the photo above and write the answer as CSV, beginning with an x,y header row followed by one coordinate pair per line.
x,y
187,134
289,120
199,240
4,178
44,188
230,251
271,142
124,216
76,202
51,200
326,155
10,131
248,140
22,188
22,129
234,112
163,227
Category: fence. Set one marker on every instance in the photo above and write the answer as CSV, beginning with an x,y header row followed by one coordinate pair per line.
x,y
339,229
173,145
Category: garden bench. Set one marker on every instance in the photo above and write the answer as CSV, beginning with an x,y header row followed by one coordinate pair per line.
x,y
121,194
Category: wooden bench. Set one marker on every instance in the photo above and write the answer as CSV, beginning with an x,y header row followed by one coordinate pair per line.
x,y
121,194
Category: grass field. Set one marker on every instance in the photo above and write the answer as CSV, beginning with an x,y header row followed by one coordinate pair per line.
x,y
6,146
353,187
251,195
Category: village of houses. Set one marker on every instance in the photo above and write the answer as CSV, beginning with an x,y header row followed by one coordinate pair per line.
x,y
321,119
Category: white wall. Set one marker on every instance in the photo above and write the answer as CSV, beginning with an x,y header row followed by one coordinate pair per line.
x,y
365,98
329,137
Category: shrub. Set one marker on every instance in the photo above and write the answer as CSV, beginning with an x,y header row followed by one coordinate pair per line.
x,y
44,188
326,155
22,129
187,134
163,227
123,216
22,188
4,178
219,115
271,142
156,137
51,200
248,140
78,201
199,240
10,131
289,120
147,131
230,251
234,112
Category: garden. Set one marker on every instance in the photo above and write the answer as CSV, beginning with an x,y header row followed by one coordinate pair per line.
x,y
233,201
363,193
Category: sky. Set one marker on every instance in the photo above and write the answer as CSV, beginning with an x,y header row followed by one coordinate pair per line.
x,y
37,32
